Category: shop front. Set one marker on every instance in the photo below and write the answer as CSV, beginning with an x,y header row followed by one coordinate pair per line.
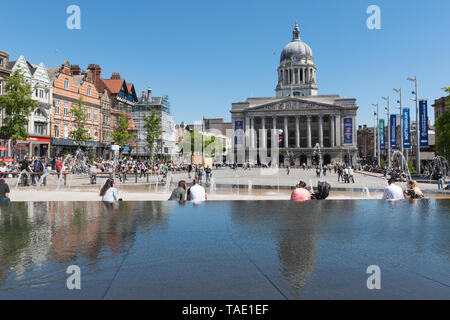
x,y
63,146
33,146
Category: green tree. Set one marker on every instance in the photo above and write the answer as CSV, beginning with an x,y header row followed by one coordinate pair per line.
x,y
79,135
17,105
443,139
120,134
154,130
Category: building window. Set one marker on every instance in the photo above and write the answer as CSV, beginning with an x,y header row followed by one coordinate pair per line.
x,y
89,113
66,84
56,130
41,93
39,128
57,107
1,87
66,109
95,115
39,113
36,92
95,134
89,91
88,133
1,61
66,131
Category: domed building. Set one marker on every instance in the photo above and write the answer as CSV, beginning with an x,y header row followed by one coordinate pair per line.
x,y
302,123
297,72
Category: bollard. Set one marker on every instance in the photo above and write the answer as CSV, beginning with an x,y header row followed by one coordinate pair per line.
x,y
147,176
65,179
135,180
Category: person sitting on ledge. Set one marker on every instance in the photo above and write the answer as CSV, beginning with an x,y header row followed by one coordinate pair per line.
x,y
4,191
197,193
412,191
108,192
301,193
179,194
393,192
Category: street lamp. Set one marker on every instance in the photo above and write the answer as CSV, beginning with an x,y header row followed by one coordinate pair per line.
x,y
399,91
417,122
389,131
378,133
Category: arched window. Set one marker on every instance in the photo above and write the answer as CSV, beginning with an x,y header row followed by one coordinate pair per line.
x,y
39,113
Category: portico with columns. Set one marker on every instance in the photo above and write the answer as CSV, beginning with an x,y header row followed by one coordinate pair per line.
x,y
297,120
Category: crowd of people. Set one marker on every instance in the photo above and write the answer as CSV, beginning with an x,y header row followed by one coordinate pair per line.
x,y
37,170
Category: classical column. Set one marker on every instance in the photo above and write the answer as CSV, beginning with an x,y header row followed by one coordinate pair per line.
x,y
338,130
247,132
321,130
332,131
262,140
355,131
274,131
286,133
252,132
297,133
309,132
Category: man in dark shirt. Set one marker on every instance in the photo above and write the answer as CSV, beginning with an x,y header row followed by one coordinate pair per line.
x,y
4,191
25,165
179,194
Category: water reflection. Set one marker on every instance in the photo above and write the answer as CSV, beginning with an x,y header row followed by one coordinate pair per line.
x,y
285,240
56,234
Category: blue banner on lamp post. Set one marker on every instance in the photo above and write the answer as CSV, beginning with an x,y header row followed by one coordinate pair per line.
x,y
406,129
382,135
423,122
393,131
348,130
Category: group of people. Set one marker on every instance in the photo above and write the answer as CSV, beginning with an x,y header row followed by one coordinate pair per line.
x,y
395,192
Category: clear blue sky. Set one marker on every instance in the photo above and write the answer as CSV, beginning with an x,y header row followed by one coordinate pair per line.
x,y
207,54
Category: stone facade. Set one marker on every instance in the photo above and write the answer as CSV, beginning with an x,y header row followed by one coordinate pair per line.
x,y
69,85
38,128
299,120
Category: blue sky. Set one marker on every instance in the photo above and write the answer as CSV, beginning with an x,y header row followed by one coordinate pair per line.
x,y
207,54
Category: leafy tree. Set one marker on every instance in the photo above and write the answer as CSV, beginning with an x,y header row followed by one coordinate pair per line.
x,y
154,130
120,135
18,105
443,127
443,139
79,135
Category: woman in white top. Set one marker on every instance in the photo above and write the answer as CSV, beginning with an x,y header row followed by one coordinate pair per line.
x,y
108,192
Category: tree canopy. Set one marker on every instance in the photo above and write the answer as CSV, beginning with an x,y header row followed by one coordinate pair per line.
x,y
18,105
120,135
153,129
79,135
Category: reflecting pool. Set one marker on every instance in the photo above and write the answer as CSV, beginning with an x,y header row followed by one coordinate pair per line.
x,y
226,250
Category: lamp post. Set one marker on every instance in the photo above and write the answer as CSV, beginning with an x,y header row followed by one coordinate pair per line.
x,y
401,122
417,123
378,133
389,131
374,135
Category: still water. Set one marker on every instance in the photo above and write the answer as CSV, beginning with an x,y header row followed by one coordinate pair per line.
x,y
225,250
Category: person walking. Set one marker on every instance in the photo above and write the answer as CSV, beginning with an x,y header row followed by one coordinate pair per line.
x,y
440,179
346,179
208,172
351,175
